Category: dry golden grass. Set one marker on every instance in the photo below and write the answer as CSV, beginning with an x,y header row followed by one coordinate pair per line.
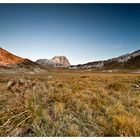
x,y
71,103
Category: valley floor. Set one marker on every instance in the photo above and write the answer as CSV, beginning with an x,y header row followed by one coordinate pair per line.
x,y
70,103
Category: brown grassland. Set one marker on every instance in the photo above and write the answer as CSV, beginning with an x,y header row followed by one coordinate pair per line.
x,y
70,103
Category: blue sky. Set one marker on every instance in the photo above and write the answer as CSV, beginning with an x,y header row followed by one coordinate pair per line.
x,y
81,32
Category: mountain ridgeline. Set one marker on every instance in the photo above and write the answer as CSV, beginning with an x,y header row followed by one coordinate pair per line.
x,y
127,61
11,62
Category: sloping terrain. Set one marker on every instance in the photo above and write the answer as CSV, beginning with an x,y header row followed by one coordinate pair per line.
x,y
9,58
127,61
10,62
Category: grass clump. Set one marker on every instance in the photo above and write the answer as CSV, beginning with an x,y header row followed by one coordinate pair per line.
x,y
117,86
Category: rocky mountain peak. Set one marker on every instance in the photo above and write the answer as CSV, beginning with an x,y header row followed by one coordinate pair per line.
x,y
61,60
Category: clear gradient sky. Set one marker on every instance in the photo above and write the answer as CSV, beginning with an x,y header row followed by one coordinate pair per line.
x,y
81,32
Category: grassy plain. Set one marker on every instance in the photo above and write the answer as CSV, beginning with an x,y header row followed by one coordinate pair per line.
x,y
70,103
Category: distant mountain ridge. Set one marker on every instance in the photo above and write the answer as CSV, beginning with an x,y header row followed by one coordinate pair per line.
x,y
45,62
55,62
127,61
9,61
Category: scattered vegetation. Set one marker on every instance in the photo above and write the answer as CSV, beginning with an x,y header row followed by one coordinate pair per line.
x,y
70,104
